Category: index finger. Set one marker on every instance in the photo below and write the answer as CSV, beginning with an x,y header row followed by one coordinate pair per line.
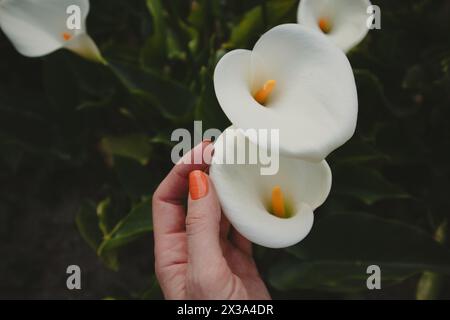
x,y
170,197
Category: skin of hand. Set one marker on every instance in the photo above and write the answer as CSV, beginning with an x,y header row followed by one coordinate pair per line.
x,y
198,255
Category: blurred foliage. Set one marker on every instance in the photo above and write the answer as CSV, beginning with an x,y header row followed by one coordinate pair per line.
x,y
105,132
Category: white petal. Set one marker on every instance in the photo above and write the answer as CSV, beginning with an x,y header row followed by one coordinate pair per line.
x,y
84,46
244,195
348,19
36,27
314,104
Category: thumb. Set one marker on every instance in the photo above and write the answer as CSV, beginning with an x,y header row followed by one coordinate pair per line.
x,y
203,222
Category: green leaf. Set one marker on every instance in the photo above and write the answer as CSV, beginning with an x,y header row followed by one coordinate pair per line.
x,y
174,47
199,13
208,108
171,98
104,217
90,228
256,20
340,247
431,284
133,146
162,139
136,223
365,184
87,223
154,51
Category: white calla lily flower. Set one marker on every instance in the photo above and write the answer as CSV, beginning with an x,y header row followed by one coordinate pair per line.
x,y
343,21
273,211
294,80
39,27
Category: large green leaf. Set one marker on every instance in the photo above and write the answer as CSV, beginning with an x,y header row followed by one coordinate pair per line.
x,y
136,223
340,247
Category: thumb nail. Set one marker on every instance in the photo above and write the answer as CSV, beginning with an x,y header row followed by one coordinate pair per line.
x,y
198,184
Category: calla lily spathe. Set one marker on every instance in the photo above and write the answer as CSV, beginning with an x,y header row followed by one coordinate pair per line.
x,y
314,103
39,27
244,194
343,21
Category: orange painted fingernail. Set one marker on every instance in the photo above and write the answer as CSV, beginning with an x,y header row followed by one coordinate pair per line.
x,y
198,184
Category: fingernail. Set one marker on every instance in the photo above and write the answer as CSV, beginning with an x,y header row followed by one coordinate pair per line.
x,y
198,184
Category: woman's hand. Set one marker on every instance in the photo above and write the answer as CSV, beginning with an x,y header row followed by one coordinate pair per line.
x,y
197,254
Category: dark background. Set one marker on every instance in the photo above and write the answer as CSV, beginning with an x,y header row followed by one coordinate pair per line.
x,y
82,147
